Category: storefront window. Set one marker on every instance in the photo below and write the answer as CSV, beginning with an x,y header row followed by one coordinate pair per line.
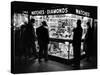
x,y
61,28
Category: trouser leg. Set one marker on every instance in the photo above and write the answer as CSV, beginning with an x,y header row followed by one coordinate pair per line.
x,y
41,51
77,55
46,52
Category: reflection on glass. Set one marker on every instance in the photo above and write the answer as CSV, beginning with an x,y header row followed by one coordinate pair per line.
x,y
63,50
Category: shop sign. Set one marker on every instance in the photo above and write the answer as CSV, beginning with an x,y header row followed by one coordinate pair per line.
x,y
83,13
38,12
57,11
60,11
51,11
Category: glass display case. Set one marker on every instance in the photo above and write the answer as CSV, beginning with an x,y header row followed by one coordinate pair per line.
x,y
61,33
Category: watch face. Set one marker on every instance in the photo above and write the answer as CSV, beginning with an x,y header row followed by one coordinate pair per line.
x,y
60,39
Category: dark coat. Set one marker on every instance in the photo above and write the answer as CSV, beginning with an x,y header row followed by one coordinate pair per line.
x,y
88,37
29,35
42,35
77,36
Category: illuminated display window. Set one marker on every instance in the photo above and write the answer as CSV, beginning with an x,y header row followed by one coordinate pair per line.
x,y
60,27
63,50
